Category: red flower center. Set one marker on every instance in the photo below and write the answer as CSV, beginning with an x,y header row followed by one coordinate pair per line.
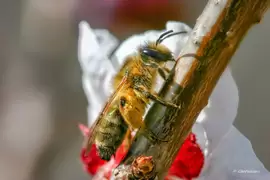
x,y
189,160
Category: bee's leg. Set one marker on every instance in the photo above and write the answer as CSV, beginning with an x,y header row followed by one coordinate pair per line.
x,y
156,98
151,135
162,73
128,140
148,133
166,69
199,58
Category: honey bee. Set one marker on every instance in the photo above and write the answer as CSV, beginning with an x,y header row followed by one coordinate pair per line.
x,y
133,86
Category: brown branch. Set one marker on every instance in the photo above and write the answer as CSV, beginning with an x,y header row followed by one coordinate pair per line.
x,y
214,39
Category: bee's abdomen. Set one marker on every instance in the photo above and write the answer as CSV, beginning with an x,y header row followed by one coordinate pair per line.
x,y
110,135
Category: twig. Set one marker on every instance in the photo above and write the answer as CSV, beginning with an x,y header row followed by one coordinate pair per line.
x,y
216,36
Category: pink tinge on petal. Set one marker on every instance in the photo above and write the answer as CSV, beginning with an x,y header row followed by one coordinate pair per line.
x,y
105,171
91,161
120,154
84,129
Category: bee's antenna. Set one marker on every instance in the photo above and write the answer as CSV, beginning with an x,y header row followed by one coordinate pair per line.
x,y
162,35
181,32
199,58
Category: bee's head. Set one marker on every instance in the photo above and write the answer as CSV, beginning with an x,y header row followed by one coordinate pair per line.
x,y
154,54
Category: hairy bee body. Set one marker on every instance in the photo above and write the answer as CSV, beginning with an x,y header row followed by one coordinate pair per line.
x,y
133,86
115,126
110,133
129,105
134,102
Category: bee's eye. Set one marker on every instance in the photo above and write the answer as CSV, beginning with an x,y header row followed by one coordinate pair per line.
x,y
154,54
122,101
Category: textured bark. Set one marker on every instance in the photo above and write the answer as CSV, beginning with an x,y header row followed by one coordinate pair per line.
x,y
214,39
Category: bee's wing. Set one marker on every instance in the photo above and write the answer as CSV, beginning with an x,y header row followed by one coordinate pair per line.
x,y
95,126
122,71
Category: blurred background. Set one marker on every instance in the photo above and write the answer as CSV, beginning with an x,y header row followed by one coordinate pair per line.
x,y
41,97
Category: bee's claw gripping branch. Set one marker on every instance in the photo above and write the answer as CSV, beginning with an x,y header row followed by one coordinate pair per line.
x,y
215,38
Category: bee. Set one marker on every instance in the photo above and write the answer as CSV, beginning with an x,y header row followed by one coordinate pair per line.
x,y
133,84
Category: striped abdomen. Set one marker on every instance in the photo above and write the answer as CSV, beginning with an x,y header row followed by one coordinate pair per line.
x,y
110,134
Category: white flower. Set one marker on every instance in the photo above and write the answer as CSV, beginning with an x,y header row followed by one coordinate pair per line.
x,y
229,154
